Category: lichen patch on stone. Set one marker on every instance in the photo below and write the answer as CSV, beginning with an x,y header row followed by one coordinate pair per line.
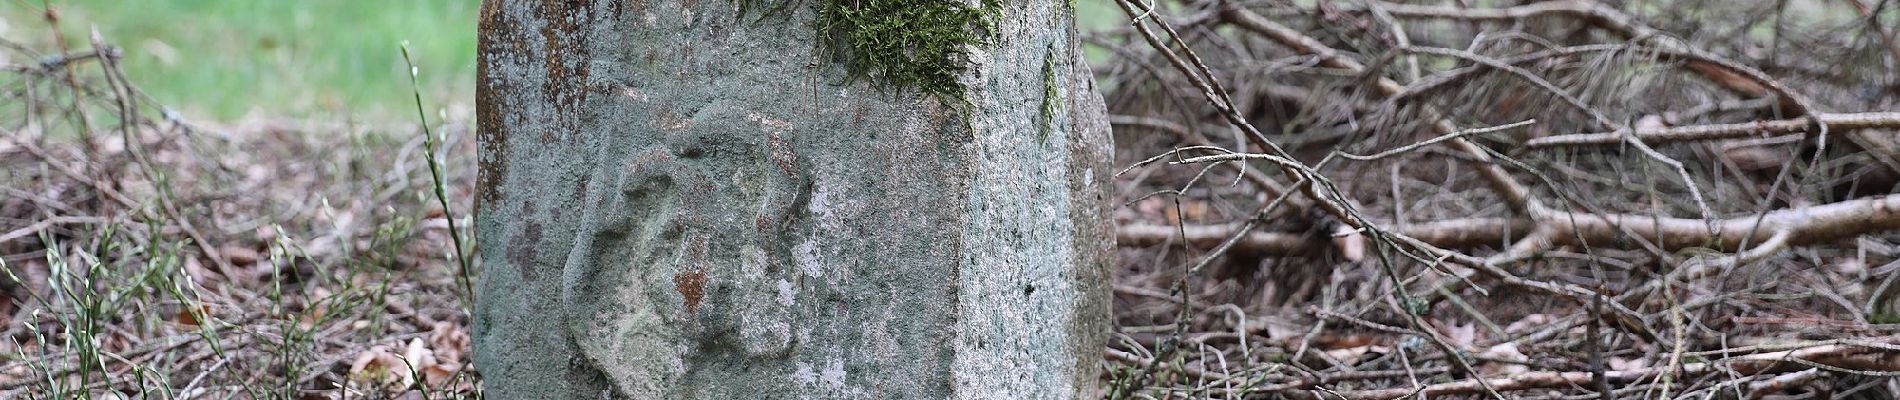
x,y
786,295
804,374
692,288
632,93
807,255
768,121
833,375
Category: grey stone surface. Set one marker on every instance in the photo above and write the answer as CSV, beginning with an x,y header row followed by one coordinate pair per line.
x,y
675,203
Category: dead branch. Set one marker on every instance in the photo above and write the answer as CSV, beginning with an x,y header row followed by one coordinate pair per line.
x,y
1661,284
1817,224
1832,355
1514,193
1458,233
1746,130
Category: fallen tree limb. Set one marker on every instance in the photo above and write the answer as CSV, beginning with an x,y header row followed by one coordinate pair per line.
x,y
1726,131
1817,224
1838,356
1830,356
1809,225
1458,233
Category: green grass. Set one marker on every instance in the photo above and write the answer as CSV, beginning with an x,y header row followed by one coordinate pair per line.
x,y
224,60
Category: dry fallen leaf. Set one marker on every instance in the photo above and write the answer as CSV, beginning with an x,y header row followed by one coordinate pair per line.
x,y
1463,336
1650,122
440,375
1722,76
1505,351
1190,210
1351,245
1330,342
1528,323
318,309
1351,355
192,315
378,367
1757,158
203,277
449,343
439,366
1627,364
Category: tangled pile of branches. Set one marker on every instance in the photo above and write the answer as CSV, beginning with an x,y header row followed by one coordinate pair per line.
x,y
145,256
1560,199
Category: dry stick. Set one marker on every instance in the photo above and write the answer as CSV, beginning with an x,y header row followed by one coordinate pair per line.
x,y
1443,78
1527,76
1179,285
1752,81
1513,192
122,93
1300,384
1580,105
1180,319
1761,389
1736,77
1211,89
1398,37
1787,227
1688,182
1822,355
1270,188
1606,17
1203,79
164,344
1216,95
1746,130
1456,233
48,223
1324,314
1141,378
1437,140
1258,179
1319,379
1130,358
50,64
64,62
116,196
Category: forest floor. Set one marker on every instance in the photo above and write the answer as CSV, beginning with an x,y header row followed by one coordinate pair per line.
x,y
149,254
312,250
1304,218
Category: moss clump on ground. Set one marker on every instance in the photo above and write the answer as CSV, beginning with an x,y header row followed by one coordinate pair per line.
x,y
905,44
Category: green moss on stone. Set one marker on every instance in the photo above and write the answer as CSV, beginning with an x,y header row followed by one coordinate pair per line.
x,y
906,44
920,45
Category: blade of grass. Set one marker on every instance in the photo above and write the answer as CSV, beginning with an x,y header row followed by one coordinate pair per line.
x,y
435,173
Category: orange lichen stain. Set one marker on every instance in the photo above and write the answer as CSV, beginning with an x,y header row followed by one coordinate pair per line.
x,y
692,287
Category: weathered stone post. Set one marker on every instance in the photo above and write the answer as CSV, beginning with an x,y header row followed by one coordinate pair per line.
x,y
806,199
